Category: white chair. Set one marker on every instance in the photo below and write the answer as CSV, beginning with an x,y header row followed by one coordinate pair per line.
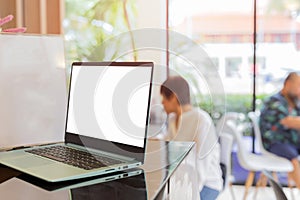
x,y
254,118
226,142
256,162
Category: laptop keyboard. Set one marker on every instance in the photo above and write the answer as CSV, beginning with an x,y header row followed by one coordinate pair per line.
x,y
77,158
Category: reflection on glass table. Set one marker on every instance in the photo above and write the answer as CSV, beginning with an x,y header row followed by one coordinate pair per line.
x,y
165,165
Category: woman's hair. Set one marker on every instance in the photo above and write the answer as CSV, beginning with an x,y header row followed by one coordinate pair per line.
x,y
178,86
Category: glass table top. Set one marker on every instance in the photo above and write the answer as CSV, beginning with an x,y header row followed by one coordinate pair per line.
x,y
162,158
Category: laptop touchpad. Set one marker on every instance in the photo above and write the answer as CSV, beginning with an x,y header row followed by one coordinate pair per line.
x,y
30,162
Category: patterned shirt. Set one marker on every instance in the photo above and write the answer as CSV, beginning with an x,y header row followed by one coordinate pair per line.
x,y
276,108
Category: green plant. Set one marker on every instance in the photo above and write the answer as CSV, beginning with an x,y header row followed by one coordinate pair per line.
x,y
241,103
89,24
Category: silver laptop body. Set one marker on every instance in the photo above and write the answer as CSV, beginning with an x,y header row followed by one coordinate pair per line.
x,y
77,183
107,116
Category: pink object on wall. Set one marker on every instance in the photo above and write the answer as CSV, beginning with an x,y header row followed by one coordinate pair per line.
x,y
7,19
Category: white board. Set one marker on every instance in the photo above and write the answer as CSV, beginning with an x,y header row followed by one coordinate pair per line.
x,y
32,90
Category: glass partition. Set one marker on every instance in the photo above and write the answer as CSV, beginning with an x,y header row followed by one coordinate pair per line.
x,y
224,30
278,44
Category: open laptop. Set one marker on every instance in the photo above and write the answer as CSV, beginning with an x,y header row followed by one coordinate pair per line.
x,y
106,124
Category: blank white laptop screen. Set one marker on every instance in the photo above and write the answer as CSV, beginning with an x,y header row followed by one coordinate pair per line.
x,y
109,103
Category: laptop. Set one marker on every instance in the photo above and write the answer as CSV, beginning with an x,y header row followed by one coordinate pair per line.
x,y
106,124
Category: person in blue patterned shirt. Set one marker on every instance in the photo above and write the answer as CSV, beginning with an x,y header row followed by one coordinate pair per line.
x,y
280,123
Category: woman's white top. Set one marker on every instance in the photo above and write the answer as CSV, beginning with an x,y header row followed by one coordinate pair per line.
x,y
196,125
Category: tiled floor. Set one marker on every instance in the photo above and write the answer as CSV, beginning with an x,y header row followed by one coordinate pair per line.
x,y
266,193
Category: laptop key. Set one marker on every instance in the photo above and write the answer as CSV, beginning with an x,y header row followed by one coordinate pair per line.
x,y
54,158
74,157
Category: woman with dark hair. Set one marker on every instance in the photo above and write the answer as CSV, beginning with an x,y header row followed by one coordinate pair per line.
x,y
187,123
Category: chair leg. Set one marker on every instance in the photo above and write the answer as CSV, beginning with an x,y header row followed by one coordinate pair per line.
x,y
290,185
231,191
249,182
263,179
275,176
258,184
261,182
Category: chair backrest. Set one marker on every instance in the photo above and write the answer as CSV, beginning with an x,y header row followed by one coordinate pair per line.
x,y
254,118
237,135
221,124
226,141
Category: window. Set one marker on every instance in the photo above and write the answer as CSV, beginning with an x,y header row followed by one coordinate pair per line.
x,y
223,29
88,25
233,66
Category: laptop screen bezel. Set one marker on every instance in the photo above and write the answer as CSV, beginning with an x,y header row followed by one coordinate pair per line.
x,y
103,145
